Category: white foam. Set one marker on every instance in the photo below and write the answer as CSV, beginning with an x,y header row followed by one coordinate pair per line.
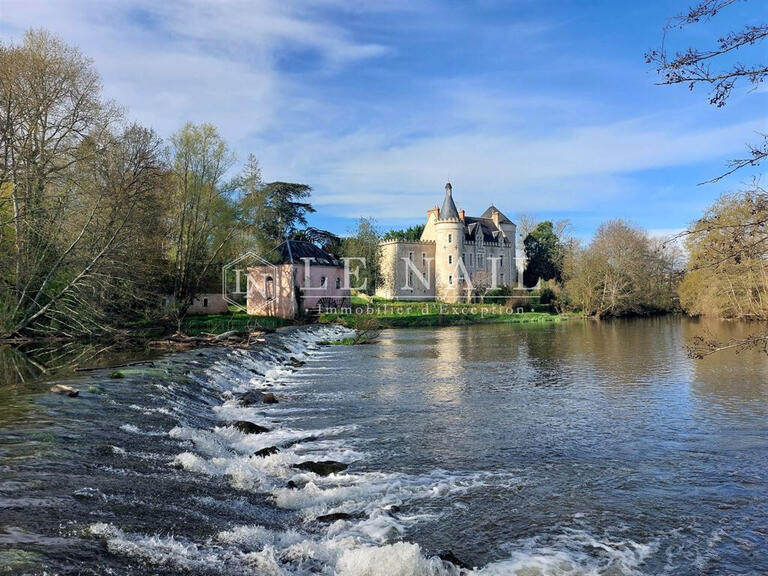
x,y
399,559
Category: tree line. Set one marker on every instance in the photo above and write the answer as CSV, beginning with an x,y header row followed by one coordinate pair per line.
x,y
99,216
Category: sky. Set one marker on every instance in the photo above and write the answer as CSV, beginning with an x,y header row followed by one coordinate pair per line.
x,y
539,107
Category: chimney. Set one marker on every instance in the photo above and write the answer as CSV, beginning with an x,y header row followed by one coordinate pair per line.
x,y
461,214
434,210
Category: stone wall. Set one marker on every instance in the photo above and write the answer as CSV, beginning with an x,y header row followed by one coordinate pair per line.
x,y
399,280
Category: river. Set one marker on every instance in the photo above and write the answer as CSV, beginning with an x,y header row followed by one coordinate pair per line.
x,y
569,448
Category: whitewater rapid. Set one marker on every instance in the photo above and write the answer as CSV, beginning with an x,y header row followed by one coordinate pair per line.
x,y
368,534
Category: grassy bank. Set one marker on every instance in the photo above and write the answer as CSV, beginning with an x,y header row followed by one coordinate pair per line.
x,y
395,314
220,323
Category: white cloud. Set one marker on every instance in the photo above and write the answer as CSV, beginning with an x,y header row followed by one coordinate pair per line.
x,y
174,61
234,63
565,169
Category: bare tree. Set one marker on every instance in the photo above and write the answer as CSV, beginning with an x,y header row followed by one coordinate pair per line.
x,y
526,223
70,183
620,272
715,66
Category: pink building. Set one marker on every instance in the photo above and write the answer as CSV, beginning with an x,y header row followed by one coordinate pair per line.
x,y
301,277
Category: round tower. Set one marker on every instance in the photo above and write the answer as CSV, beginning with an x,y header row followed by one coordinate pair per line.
x,y
449,242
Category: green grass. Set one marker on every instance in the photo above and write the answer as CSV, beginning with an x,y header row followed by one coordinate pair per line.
x,y
397,314
220,323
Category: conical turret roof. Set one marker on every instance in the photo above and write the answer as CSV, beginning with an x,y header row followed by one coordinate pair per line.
x,y
448,211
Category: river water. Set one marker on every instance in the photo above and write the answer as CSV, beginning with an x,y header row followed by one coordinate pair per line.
x,y
569,448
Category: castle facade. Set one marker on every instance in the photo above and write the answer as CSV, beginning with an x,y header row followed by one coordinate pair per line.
x,y
456,256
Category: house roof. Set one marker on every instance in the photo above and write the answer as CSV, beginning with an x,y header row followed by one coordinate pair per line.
x,y
296,251
481,227
489,214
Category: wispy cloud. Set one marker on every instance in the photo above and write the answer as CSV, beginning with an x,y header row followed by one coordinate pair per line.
x,y
180,60
376,104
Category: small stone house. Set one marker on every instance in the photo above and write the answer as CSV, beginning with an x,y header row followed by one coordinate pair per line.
x,y
300,277
206,303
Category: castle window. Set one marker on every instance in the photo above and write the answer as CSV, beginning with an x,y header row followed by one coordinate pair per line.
x,y
502,277
463,258
338,283
323,282
410,256
423,258
410,279
501,261
450,238
450,279
205,302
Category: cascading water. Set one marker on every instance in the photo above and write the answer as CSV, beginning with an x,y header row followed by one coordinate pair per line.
x,y
531,451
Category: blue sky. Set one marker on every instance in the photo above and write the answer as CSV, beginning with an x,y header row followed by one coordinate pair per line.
x,y
542,107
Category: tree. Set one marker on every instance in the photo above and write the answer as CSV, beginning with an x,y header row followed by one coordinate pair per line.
x,y
411,233
363,243
526,223
326,240
275,211
720,67
543,251
727,276
202,220
620,272
74,187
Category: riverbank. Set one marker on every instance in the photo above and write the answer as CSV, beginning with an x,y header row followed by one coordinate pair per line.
x,y
398,314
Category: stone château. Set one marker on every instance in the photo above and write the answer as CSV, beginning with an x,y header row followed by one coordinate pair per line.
x,y
455,256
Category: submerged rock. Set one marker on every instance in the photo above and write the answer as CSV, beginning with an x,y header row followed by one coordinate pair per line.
x,y
292,485
295,362
269,398
249,427
65,390
268,451
450,557
322,468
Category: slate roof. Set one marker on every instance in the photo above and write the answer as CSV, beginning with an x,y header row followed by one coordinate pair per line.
x,y
448,211
293,251
477,227
489,214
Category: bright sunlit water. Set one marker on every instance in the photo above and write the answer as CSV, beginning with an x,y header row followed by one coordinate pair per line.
x,y
569,448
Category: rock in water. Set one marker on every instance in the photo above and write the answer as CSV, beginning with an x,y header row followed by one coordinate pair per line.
x,y
256,397
266,452
65,390
330,518
322,468
450,557
251,397
249,427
